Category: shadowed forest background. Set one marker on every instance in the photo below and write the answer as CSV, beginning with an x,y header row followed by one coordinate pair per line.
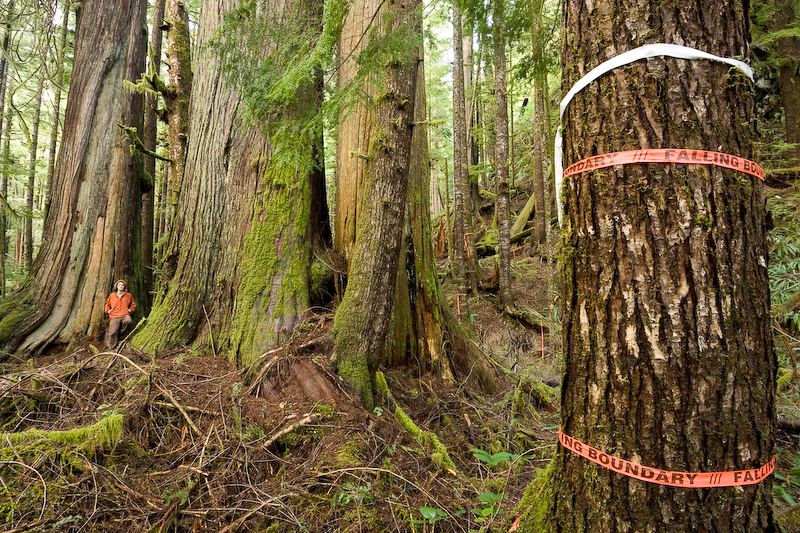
x,y
366,300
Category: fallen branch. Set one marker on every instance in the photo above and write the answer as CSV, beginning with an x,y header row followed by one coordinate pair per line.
x,y
308,419
169,396
262,373
174,507
788,424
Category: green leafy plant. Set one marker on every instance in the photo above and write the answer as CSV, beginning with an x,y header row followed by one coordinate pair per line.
x,y
493,459
430,515
354,495
491,507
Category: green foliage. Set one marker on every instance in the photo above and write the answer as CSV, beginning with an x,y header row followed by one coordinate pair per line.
x,y
784,267
493,459
430,515
351,494
491,506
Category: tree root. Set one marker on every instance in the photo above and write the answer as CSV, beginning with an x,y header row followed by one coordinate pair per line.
x,y
103,434
427,439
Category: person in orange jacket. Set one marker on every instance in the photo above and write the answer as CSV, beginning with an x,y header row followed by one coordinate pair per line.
x,y
119,307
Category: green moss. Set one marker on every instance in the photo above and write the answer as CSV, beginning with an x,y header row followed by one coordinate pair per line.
x,y
784,378
535,505
382,386
349,455
362,519
13,311
438,451
354,369
104,434
351,362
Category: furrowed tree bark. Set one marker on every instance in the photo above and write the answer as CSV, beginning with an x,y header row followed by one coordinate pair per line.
x,y
247,228
362,319
57,90
355,127
502,209
149,139
669,359
91,235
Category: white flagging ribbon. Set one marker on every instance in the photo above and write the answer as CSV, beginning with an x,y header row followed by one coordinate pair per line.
x,y
643,52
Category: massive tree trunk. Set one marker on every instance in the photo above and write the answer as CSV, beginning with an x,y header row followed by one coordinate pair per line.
x,y
362,320
669,360
91,235
248,224
415,320
423,323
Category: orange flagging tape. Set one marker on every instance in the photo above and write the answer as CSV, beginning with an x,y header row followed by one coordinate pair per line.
x,y
669,155
667,477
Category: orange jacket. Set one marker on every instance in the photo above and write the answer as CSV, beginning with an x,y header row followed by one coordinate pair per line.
x,y
117,306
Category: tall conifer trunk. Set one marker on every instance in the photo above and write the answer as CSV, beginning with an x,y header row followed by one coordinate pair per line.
x,y
502,209
248,226
91,235
29,191
669,360
149,139
401,318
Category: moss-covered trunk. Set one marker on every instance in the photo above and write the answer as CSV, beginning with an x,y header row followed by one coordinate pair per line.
x,y
419,320
425,334
362,320
669,360
149,139
92,231
176,101
247,226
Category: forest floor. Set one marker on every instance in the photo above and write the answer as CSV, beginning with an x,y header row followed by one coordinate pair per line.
x,y
97,441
